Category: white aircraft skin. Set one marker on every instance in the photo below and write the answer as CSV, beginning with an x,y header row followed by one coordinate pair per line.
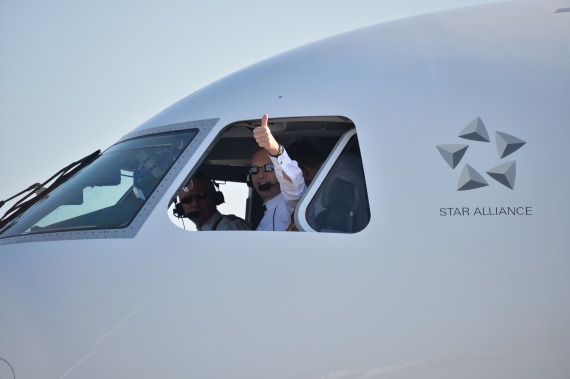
x,y
418,293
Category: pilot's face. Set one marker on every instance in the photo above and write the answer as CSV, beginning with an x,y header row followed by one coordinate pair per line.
x,y
309,173
201,209
259,159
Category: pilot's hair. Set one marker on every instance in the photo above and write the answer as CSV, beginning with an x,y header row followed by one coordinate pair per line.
x,y
256,150
201,176
305,154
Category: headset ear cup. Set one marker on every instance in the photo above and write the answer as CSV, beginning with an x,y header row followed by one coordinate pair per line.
x,y
178,211
249,181
219,198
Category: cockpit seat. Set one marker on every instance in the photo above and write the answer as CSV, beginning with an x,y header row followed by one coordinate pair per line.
x,y
338,199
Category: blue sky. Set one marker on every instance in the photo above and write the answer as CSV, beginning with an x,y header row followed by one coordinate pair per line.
x,y
76,76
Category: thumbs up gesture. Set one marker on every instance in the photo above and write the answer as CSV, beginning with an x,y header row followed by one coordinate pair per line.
x,y
264,138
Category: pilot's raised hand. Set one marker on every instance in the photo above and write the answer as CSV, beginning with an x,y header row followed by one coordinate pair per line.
x,y
264,138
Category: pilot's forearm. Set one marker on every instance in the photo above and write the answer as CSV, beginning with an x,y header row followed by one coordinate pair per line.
x,y
289,175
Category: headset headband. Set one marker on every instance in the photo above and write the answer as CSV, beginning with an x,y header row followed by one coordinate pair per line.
x,y
178,210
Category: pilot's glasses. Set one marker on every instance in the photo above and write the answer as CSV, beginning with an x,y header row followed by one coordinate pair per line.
x,y
268,167
190,198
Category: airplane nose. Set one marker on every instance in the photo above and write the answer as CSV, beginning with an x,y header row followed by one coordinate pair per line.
x,y
6,370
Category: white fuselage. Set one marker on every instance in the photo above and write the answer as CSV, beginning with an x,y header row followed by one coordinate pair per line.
x,y
440,284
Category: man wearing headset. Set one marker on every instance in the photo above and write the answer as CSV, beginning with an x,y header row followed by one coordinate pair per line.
x,y
199,199
277,179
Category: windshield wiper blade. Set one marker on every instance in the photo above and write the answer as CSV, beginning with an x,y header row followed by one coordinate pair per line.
x,y
35,187
40,189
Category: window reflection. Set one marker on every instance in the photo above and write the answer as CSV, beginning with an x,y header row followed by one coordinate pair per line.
x,y
341,203
110,191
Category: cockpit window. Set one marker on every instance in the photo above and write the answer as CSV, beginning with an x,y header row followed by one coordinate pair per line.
x,y
109,192
341,203
327,151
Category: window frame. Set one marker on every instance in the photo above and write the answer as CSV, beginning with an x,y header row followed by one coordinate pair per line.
x,y
130,231
301,221
336,150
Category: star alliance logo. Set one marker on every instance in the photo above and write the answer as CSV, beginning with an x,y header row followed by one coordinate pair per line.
x,y
469,179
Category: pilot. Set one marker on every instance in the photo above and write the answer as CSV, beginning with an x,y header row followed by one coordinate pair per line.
x,y
277,179
308,157
199,199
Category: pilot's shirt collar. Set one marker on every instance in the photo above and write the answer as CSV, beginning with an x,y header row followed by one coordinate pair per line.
x,y
271,204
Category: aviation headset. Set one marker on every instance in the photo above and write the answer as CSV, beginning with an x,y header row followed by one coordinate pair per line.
x,y
178,211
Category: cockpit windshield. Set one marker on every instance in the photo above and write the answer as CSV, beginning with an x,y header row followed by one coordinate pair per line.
x,y
109,192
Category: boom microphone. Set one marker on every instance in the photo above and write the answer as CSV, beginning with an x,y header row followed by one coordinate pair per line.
x,y
193,214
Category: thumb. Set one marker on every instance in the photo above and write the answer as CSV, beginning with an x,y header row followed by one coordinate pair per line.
x,y
264,121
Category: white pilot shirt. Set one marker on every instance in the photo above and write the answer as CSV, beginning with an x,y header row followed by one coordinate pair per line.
x,y
279,209
227,222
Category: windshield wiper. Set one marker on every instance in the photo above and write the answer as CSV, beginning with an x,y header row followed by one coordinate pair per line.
x,y
41,190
